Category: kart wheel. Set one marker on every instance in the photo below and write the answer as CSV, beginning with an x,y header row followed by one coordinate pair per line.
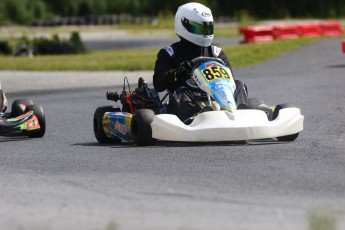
x,y
259,104
141,127
98,129
19,106
38,111
291,137
254,103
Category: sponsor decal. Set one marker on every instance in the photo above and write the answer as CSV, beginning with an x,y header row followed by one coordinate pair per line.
x,y
170,50
205,14
211,64
123,129
216,50
105,125
32,123
196,79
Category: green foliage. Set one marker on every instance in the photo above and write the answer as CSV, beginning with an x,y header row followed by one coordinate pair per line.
x,y
5,48
3,17
45,46
76,43
21,11
244,18
26,11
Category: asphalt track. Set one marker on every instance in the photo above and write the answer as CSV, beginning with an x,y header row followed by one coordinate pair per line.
x,y
67,180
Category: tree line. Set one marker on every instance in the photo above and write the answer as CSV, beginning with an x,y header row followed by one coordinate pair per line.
x,y
27,11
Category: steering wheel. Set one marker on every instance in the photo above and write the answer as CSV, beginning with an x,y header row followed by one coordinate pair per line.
x,y
199,60
196,62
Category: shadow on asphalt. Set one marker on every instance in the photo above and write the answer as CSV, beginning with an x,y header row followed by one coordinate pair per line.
x,y
111,145
13,138
336,66
160,144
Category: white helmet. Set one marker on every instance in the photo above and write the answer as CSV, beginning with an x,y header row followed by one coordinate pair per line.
x,y
194,22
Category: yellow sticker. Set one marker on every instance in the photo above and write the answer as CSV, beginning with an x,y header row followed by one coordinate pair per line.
x,y
214,72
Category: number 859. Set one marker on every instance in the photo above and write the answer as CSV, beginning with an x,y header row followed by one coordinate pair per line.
x,y
215,72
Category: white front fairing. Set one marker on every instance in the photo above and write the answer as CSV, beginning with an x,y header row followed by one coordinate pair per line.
x,y
226,126
217,81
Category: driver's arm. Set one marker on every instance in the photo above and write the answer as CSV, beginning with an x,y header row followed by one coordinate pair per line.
x,y
163,72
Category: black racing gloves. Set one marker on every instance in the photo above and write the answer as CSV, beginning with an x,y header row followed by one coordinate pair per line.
x,y
175,77
183,72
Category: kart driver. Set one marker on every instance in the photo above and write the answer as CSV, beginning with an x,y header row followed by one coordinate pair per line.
x,y
194,26
3,101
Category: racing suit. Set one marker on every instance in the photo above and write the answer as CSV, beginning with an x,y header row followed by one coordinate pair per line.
x,y
182,102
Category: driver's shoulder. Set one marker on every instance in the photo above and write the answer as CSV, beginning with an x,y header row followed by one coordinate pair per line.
x,y
216,50
172,49
169,50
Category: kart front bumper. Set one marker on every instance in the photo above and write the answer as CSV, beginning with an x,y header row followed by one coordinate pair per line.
x,y
222,125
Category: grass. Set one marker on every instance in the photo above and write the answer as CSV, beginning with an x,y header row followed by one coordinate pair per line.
x,y
144,59
250,54
135,59
322,221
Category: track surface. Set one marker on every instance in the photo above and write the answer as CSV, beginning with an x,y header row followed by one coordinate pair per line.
x,y
68,181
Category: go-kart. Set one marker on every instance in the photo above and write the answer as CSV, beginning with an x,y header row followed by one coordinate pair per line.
x,y
25,119
143,118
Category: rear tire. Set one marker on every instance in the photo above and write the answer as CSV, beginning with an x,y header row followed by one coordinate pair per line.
x,y
18,108
98,129
291,137
141,127
39,113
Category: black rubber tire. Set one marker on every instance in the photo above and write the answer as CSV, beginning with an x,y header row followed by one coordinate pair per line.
x,y
98,124
39,113
254,103
141,127
291,137
18,110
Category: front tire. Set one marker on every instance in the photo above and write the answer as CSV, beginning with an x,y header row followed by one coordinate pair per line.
x,y
141,127
39,113
19,106
254,103
290,137
98,129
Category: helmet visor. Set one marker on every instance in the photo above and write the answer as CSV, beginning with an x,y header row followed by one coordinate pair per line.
x,y
199,28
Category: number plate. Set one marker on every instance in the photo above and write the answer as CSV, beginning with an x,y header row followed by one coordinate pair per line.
x,y
213,70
